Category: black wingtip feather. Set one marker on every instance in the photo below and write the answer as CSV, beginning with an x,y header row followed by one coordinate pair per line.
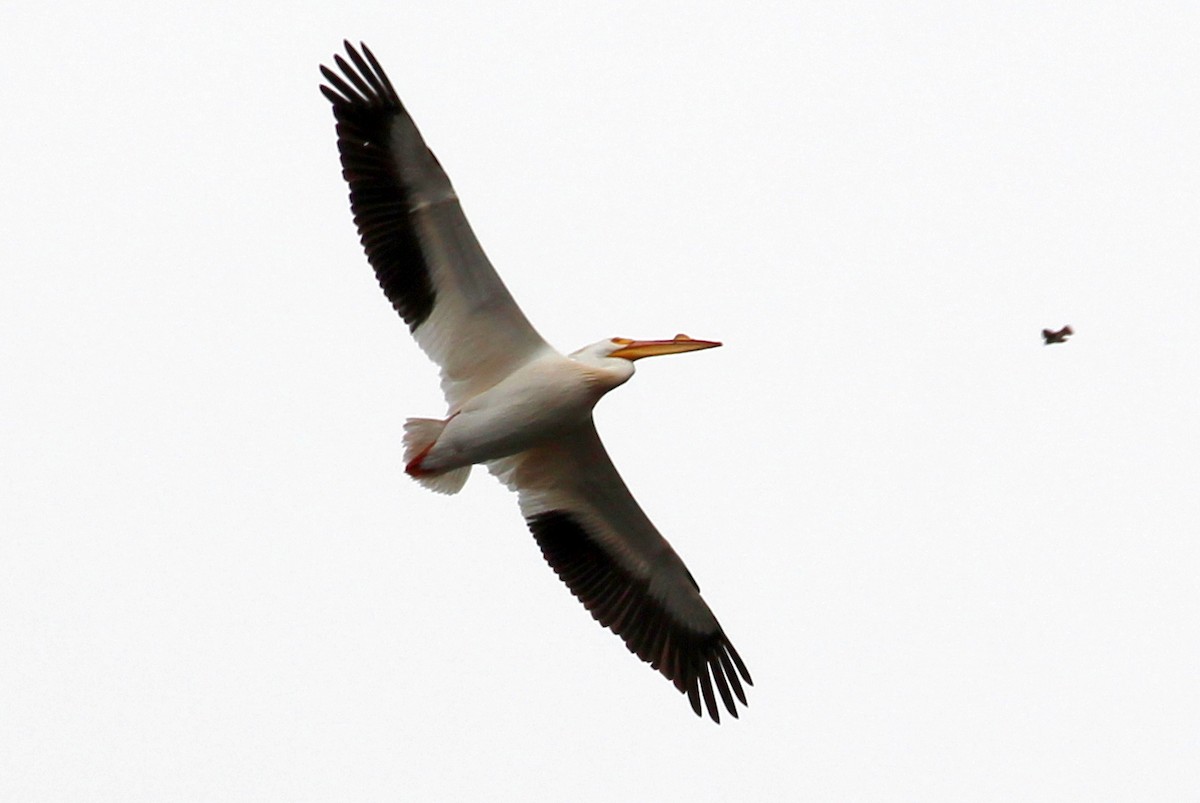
x,y
709,699
737,660
718,675
693,695
732,675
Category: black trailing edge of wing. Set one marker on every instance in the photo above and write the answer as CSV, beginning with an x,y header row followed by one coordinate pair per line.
x,y
618,600
365,105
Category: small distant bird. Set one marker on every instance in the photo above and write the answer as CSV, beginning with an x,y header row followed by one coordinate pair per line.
x,y
516,405
1057,337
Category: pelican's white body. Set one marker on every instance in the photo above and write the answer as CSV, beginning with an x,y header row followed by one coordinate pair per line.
x,y
543,399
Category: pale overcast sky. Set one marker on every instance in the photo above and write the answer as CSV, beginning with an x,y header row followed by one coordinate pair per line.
x,y
961,565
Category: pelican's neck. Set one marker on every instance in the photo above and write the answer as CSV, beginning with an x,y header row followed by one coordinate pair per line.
x,y
610,372
606,372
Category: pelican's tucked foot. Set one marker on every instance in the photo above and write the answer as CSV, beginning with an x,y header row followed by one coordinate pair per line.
x,y
420,434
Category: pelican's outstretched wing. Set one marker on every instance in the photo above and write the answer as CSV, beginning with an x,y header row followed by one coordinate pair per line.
x,y
416,237
597,539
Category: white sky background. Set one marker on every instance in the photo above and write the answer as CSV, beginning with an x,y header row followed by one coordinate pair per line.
x,y
960,565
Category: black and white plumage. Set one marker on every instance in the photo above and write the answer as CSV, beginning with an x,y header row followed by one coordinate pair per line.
x,y
514,403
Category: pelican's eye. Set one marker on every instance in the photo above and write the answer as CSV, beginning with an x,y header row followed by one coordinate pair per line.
x,y
622,341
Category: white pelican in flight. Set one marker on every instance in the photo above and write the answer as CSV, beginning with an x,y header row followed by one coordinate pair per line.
x,y
516,405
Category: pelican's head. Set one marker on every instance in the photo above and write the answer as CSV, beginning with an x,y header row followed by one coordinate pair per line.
x,y
616,355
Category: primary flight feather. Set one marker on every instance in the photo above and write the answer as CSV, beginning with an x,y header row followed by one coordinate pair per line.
x,y
515,404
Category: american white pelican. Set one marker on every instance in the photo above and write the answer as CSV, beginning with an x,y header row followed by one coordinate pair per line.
x,y
516,405
1057,337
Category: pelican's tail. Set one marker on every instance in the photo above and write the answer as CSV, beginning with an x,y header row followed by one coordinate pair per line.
x,y
420,434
